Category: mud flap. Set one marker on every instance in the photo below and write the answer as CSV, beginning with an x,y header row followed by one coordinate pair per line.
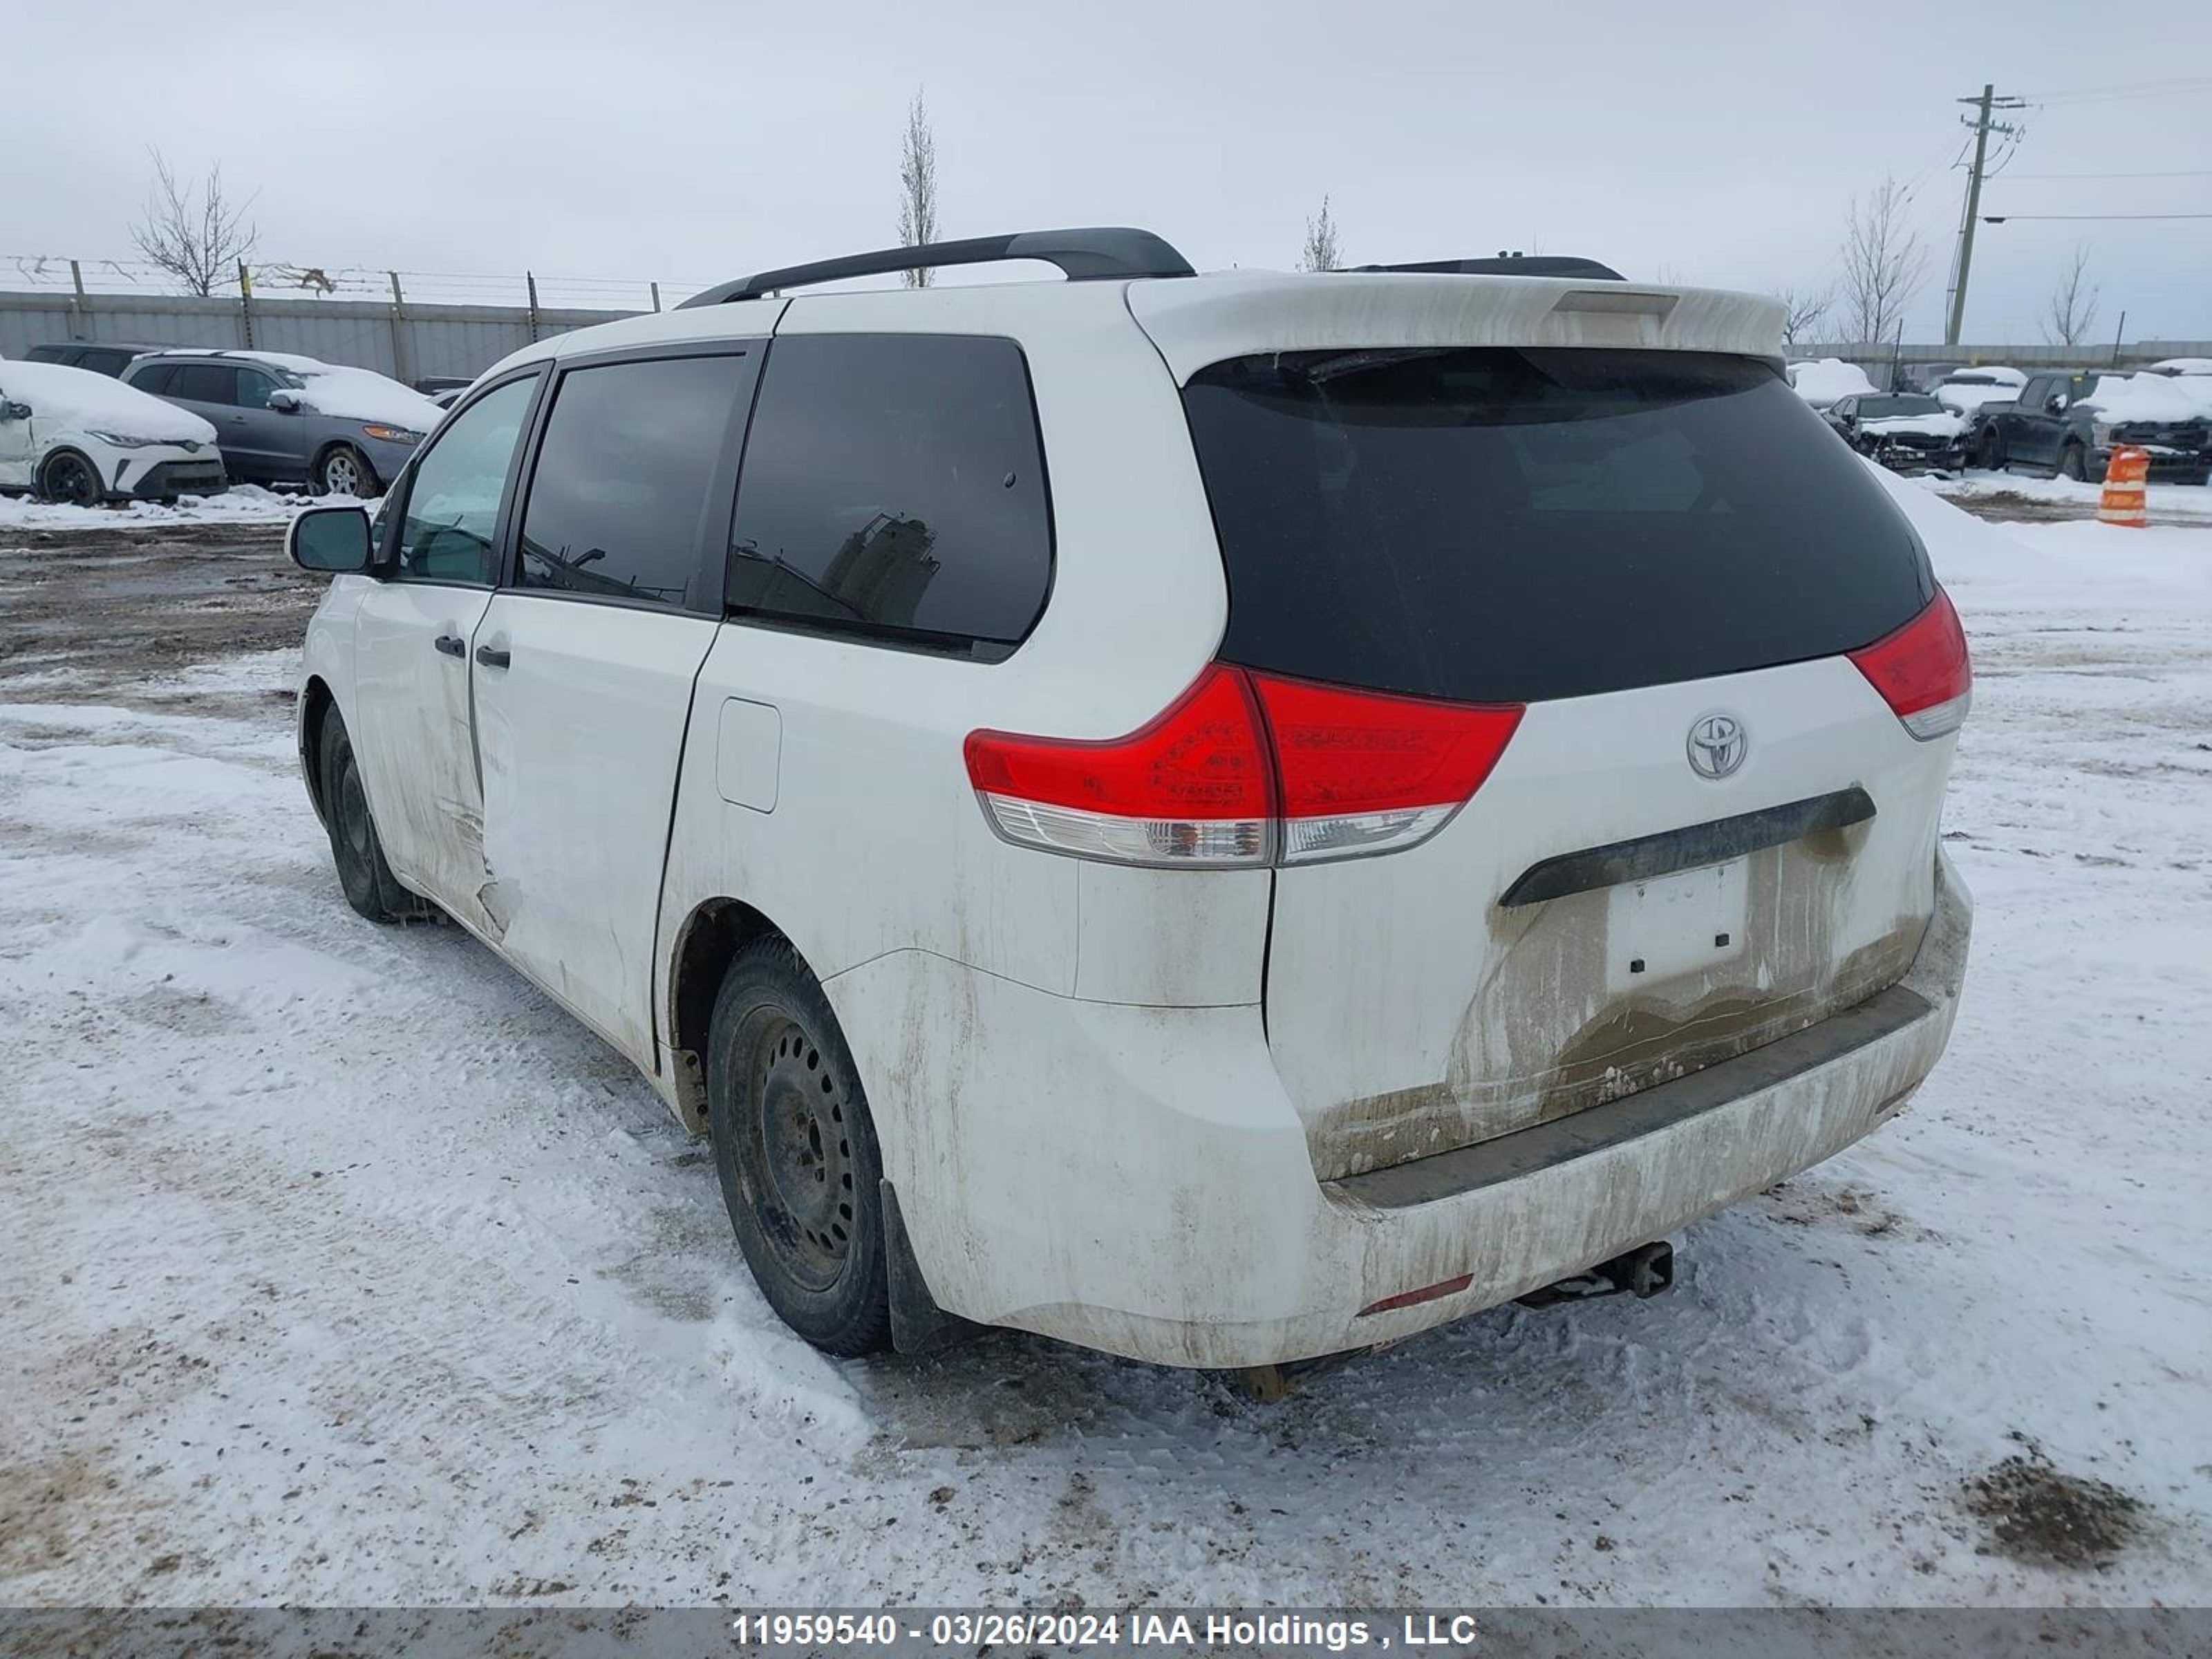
x,y
918,1324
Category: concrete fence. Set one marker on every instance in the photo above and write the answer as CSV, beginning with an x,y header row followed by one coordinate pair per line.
x,y
404,340
407,339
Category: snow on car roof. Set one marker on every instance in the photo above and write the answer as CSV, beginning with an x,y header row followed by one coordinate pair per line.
x,y
1823,379
2144,397
92,402
2183,366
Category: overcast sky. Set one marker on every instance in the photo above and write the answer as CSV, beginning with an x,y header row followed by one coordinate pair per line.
x,y
1706,142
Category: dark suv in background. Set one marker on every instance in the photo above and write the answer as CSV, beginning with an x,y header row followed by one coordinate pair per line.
x,y
108,358
2068,422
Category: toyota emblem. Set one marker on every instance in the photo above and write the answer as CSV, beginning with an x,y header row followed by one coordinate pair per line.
x,y
1717,745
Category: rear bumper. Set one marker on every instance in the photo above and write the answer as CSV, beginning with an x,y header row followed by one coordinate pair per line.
x,y
1135,1179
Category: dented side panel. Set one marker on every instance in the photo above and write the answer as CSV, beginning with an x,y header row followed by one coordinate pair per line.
x,y
409,717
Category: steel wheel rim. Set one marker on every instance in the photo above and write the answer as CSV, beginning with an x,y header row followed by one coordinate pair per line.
x,y
357,836
800,1146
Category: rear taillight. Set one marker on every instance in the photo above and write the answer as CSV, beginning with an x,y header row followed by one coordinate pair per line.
x,y
1922,671
1194,787
1245,769
1360,772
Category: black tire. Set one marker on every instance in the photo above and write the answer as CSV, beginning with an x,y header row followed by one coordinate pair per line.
x,y
341,470
370,886
1989,452
68,477
2071,465
796,1151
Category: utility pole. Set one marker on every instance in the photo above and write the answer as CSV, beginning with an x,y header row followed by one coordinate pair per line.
x,y
1982,126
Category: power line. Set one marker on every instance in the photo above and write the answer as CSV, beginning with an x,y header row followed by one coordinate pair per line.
x,y
2186,173
2138,90
1999,218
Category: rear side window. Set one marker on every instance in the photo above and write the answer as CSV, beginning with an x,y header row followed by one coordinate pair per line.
x,y
206,383
894,488
621,497
1500,526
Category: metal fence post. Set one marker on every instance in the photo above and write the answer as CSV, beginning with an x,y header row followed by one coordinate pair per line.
x,y
77,306
401,370
656,298
529,278
244,306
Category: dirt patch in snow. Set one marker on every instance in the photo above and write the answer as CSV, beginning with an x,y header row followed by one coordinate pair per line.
x,y
142,600
2039,1515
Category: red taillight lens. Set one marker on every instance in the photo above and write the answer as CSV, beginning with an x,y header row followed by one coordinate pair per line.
x,y
1244,769
1193,787
1361,772
1923,671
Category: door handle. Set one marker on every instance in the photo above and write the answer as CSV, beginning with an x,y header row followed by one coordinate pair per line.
x,y
491,659
451,645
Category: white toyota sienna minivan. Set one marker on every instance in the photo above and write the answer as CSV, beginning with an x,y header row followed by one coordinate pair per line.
x,y
1224,819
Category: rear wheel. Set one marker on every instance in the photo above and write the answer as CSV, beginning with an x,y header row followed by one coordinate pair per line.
x,y
2071,464
796,1151
342,470
69,478
370,886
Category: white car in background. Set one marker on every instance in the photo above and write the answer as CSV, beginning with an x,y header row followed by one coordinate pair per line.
x,y
71,434
2190,379
1821,381
1965,392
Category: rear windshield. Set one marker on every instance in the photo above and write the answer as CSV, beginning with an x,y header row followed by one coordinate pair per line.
x,y
1499,526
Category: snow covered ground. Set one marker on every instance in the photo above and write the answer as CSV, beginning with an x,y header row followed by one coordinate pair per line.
x,y
239,504
338,1265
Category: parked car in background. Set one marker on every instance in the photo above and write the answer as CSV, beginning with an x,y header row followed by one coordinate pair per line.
x,y
1925,377
2067,423
1821,381
437,386
1225,818
1966,390
287,419
109,358
2189,377
72,435
1904,431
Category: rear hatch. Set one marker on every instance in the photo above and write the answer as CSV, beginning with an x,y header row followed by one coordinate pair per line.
x,y
1710,828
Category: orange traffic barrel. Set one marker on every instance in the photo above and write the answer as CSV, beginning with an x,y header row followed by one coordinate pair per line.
x,y
2125,477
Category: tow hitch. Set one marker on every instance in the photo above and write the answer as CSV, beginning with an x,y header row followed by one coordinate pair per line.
x,y
1643,1272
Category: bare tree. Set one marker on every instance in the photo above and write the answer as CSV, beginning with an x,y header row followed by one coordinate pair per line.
x,y
1320,254
1804,313
2071,310
197,242
1884,262
917,222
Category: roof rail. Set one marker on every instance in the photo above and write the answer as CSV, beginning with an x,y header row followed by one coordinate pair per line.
x,y
1513,265
1090,254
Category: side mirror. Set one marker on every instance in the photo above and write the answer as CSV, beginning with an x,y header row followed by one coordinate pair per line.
x,y
284,400
15,411
2055,403
332,539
